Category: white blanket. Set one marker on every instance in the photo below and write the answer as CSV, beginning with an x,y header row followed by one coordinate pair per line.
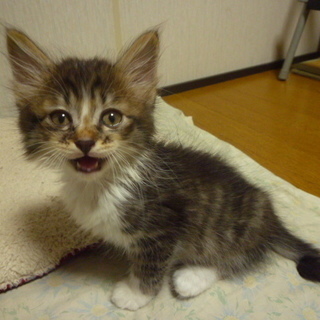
x,y
35,234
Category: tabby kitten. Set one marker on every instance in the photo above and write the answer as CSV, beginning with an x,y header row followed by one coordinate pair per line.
x,y
173,210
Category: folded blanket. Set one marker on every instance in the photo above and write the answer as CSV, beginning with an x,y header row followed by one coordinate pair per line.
x,y
35,231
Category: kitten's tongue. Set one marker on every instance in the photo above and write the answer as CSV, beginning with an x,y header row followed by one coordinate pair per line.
x,y
87,164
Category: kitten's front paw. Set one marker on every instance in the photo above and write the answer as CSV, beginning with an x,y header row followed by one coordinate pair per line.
x,y
127,295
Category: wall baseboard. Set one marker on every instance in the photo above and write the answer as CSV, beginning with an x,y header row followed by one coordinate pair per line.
x,y
198,83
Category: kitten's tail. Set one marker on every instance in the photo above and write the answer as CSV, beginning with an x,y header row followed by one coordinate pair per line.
x,y
304,254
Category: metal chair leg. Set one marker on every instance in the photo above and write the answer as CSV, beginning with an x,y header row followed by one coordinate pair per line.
x,y
284,72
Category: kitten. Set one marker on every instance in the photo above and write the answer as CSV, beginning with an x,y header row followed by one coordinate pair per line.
x,y
173,210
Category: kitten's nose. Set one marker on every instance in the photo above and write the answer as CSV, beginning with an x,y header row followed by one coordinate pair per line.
x,y
85,145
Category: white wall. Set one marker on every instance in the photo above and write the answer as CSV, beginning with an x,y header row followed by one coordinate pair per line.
x,y
200,38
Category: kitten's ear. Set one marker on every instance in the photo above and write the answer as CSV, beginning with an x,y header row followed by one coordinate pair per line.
x,y
138,64
27,60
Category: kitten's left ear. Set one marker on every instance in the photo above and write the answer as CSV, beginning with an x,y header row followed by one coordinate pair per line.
x,y
28,61
138,64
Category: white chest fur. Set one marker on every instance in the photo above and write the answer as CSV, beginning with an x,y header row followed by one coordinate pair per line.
x,y
97,209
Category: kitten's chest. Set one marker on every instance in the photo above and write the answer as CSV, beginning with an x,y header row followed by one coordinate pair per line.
x,y
99,211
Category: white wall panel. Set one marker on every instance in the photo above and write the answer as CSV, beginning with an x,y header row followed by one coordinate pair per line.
x,y
208,37
200,38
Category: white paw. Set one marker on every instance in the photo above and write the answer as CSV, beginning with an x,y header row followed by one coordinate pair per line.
x,y
127,295
190,281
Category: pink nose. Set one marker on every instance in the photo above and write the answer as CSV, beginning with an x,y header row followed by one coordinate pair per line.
x,y
85,145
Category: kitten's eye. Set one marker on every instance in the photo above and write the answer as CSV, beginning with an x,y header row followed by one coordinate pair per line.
x,y
60,118
111,118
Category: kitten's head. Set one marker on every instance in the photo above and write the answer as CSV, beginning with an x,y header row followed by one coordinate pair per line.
x,y
84,115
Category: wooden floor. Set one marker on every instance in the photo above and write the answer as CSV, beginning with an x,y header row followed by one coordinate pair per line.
x,y
276,123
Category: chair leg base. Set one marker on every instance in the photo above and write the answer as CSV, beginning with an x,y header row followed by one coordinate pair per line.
x,y
284,72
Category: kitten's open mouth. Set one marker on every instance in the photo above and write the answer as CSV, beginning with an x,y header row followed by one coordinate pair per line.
x,y
87,164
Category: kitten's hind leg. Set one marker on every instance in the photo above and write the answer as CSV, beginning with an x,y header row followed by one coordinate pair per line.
x,y
190,281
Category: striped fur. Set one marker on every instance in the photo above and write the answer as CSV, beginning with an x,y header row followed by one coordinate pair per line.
x,y
172,210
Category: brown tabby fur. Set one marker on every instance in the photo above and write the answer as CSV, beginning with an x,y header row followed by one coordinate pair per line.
x,y
186,207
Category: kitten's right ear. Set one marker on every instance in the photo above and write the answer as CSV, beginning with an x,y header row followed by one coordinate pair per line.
x,y
138,66
27,60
